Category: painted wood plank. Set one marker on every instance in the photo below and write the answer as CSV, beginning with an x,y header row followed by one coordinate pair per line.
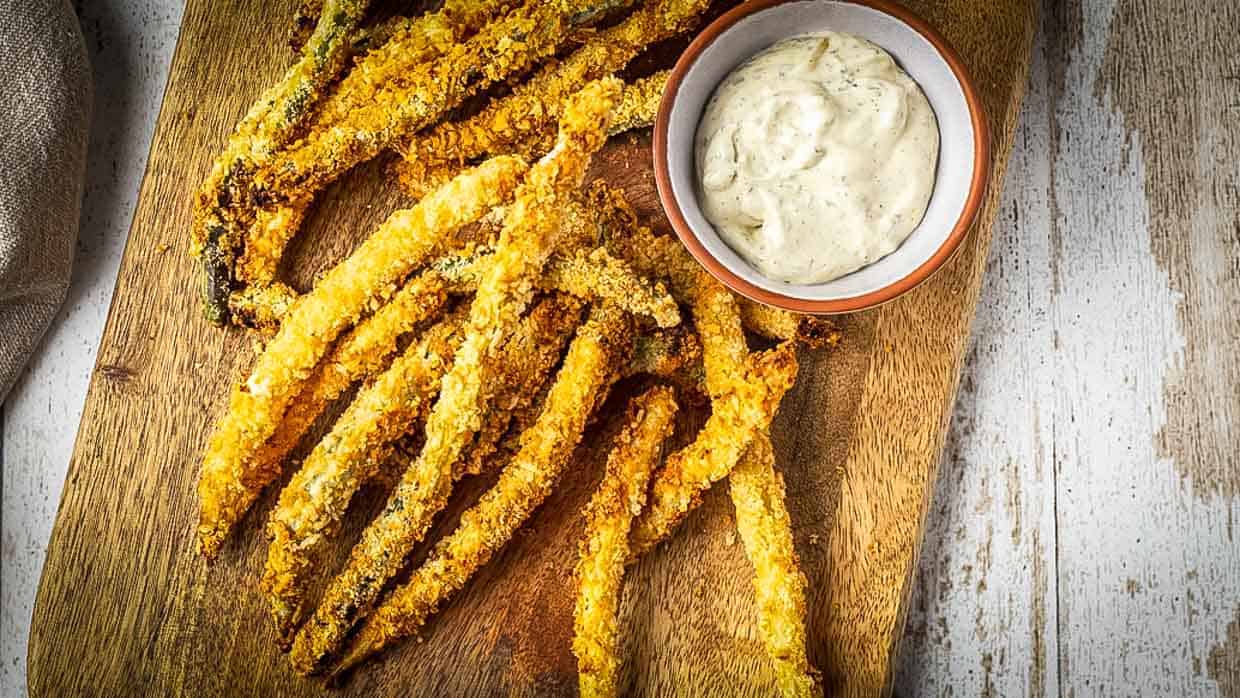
x,y
1144,233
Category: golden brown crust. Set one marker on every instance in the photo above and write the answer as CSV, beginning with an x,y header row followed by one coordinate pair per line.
x,y
523,121
589,274
217,232
272,229
393,49
226,488
581,383
517,377
421,95
527,240
530,111
745,407
640,102
315,500
757,492
604,546
362,352
745,392
774,323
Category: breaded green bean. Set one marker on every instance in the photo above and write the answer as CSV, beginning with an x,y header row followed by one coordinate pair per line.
x,y
313,503
746,405
593,275
408,45
524,121
424,94
533,106
362,352
757,492
639,103
525,482
519,374
774,323
217,235
528,238
745,391
227,484
604,546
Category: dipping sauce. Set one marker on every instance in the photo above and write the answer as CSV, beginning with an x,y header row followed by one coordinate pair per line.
x,y
816,157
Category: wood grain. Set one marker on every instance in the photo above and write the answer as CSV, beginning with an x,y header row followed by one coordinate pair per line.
x,y
126,608
983,615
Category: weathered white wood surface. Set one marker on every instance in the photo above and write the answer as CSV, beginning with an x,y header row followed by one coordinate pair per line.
x,y
1082,538
1081,541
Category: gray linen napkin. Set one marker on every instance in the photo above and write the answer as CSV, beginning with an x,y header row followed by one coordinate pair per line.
x,y
45,101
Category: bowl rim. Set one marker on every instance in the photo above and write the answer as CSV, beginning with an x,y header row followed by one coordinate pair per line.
x,y
977,187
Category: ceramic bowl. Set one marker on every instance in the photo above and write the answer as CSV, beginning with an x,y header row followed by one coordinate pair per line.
x,y
964,156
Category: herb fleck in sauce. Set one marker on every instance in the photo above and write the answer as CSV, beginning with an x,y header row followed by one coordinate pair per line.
x,y
816,157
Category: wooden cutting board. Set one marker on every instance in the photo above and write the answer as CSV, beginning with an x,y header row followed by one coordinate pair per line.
x,y
125,606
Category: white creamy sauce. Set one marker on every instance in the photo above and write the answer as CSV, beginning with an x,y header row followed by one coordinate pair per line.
x,y
816,157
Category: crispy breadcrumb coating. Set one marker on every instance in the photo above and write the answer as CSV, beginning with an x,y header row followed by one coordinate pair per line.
x,y
216,235
406,45
519,374
422,95
528,238
313,503
593,275
626,237
774,323
273,227
533,106
523,121
604,546
361,352
747,404
639,103
745,392
525,482
227,486
757,492
597,275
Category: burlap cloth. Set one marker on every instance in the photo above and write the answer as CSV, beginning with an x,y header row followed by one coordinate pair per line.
x,y
45,100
